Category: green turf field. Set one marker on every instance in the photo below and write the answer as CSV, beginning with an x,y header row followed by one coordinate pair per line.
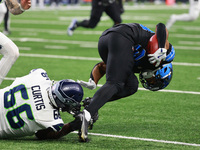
x,y
147,120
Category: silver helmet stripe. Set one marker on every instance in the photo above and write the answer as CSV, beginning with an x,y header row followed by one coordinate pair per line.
x,y
51,97
60,97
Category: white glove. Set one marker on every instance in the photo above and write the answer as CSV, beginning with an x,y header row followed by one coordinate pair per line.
x,y
90,84
158,56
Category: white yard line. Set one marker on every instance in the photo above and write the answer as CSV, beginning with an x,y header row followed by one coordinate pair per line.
x,y
95,59
142,89
25,48
55,47
32,31
188,48
143,139
188,43
60,56
81,43
93,44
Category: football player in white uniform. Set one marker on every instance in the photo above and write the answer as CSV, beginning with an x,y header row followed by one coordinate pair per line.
x,y
31,104
8,49
193,14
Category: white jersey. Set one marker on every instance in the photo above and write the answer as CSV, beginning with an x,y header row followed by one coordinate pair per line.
x,y
25,106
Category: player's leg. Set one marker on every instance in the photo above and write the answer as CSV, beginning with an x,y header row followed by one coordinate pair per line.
x,y
183,17
113,11
131,87
33,4
191,16
41,4
119,64
2,11
10,54
120,5
6,22
95,16
116,52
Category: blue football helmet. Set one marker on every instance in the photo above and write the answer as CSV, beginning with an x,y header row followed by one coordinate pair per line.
x,y
157,79
66,95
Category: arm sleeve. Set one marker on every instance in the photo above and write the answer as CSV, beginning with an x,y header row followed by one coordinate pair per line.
x,y
161,35
50,133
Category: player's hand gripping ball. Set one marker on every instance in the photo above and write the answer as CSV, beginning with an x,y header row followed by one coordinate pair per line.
x,y
156,55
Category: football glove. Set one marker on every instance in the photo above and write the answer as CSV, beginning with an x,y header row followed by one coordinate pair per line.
x,y
158,56
139,52
90,84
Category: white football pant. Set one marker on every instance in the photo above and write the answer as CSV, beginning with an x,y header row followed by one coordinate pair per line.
x,y
3,10
191,16
10,54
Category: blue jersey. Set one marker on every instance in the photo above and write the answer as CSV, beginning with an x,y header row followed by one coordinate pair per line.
x,y
139,35
134,32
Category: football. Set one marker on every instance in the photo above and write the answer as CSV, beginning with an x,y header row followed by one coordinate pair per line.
x,y
152,45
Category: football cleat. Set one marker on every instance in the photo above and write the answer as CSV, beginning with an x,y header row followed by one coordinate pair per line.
x,y
94,118
72,27
83,132
6,32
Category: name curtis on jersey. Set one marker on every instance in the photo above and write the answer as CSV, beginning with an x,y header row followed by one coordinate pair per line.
x,y
37,96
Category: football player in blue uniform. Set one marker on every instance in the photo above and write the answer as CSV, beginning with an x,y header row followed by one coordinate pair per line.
x,y
113,9
122,49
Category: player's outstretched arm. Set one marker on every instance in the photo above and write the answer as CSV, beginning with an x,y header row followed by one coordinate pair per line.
x,y
17,8
49,133
96,74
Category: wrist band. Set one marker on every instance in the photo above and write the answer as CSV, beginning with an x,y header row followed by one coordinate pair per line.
x,y
22,9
